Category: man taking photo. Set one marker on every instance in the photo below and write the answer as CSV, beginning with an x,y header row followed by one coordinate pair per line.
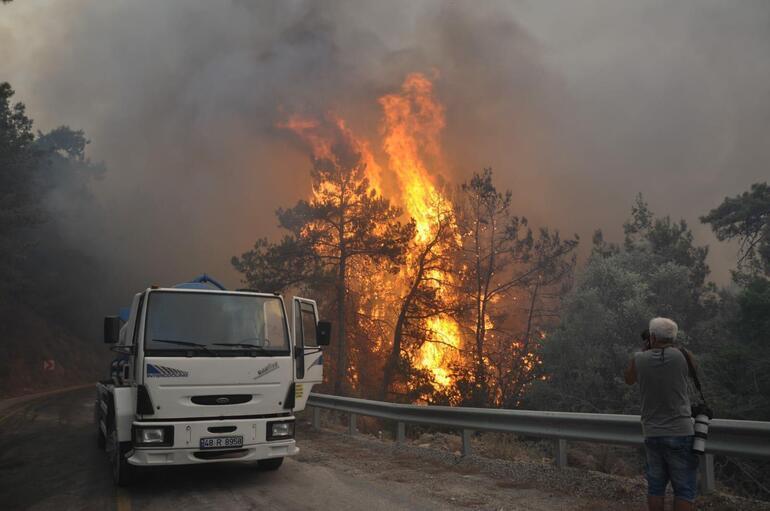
x,y
667,424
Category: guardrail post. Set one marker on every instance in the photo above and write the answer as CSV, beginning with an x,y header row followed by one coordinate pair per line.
x,y
736,438
706,469
467,442
560,453
316,418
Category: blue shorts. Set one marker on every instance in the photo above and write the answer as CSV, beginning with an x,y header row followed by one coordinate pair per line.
x,y
670,458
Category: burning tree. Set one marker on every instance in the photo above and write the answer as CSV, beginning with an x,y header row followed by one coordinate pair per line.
x,y
425,299
345,220
501,263
518,363
430,291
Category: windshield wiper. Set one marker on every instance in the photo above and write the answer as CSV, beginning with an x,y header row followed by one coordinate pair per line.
x,y
200,346
264,342
239,344
251,347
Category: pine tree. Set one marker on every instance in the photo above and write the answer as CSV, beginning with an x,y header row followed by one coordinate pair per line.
x,y
345,220
499,255
422,299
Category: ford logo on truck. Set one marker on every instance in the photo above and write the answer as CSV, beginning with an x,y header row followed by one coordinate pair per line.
x,y
223,400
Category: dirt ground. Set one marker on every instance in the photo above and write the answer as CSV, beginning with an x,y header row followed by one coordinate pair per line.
x,y
431,465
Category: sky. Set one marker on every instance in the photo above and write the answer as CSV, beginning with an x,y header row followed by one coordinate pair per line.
x,y
576,105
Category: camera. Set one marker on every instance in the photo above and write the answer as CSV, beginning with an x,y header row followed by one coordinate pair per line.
x,y
646,338
702,415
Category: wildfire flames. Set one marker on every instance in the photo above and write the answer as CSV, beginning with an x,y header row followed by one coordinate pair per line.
x,y
411,125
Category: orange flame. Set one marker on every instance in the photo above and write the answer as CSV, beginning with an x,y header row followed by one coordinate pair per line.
x,y
412,123
320,138
411,127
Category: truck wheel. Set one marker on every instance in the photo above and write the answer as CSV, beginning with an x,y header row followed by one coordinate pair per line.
x,y
101,441
122,470
270,464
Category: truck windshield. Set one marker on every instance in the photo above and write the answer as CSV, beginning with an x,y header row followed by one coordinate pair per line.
x,y
215,323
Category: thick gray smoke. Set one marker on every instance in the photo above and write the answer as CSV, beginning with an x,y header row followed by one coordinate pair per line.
x,y
576,105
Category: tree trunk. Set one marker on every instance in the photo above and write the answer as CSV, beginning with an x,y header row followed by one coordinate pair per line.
x,y
340,384
518,383
480,373
479,351
392,362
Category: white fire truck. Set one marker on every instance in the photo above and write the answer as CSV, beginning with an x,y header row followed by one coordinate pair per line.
x,y
207,375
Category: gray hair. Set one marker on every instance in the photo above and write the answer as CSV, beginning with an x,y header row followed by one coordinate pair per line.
x,y
663,329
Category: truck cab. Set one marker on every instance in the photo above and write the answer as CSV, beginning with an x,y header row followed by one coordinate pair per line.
x,y
206,375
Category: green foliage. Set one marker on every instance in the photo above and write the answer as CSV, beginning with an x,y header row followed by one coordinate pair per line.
x,y
657,272
44,183
19,190
737,363
15,126
290,263
64,176
667,242
746,218
754,320
600,324
44,191
18,160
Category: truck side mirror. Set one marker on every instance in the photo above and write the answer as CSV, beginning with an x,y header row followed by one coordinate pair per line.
x,y
111,329
323,333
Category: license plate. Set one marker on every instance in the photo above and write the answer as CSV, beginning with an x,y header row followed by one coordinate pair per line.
x,y
221,442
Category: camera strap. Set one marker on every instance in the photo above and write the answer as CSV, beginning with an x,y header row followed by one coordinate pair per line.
x,y
693,373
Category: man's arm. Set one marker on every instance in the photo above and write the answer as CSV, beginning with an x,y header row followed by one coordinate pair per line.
x,y
630,372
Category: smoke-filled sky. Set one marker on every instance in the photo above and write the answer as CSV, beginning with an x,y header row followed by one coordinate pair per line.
x,y
577,106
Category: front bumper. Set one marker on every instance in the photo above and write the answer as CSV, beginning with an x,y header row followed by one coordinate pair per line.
x,y
187,435
152,457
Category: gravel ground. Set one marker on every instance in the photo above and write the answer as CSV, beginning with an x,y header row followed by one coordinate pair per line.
x,y
477,482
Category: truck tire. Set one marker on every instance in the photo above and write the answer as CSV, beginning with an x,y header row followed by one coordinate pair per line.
x,y
122,471
270,464
101,441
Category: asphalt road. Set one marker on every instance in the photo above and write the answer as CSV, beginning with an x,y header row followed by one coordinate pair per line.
x,y
49,461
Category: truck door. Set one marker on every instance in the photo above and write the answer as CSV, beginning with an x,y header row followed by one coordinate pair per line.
x,y
308,356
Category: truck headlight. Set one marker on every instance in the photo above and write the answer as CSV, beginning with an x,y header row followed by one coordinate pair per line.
x,y
280,430
155,436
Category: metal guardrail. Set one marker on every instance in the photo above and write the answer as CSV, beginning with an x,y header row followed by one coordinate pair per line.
x,y
726,437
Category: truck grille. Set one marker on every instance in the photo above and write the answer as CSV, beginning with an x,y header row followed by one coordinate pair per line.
x,y
222,399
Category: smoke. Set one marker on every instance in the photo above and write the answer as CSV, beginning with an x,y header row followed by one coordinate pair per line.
x,y
577,106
